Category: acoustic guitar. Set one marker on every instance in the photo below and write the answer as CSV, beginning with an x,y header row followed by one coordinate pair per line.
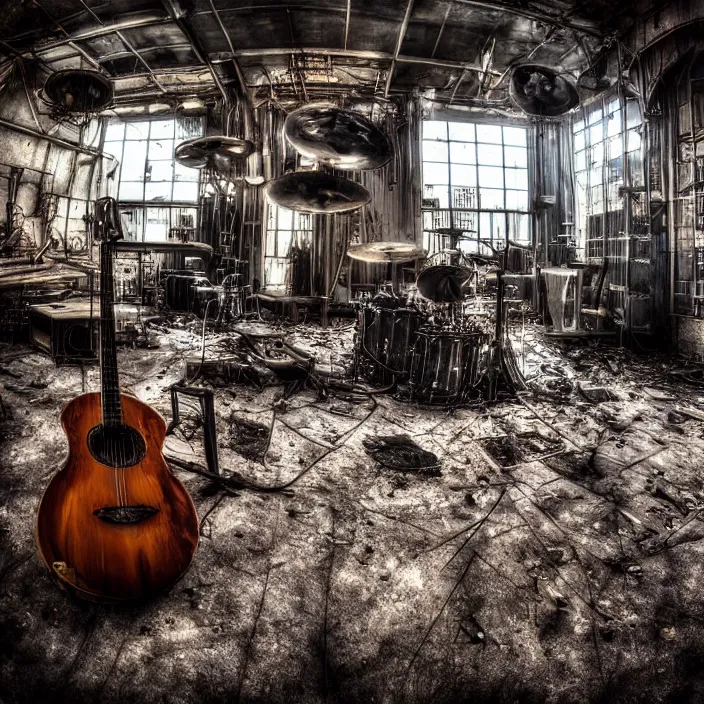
x,y
115,524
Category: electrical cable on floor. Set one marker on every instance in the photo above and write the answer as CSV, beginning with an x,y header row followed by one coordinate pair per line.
x,y
238,482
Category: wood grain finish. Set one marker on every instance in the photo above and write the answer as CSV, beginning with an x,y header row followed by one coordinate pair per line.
x,y
105,561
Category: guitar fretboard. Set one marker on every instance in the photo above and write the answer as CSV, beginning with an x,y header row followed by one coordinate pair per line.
x,y
110,387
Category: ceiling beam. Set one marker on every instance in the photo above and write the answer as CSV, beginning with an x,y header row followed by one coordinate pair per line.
x,y
145,50
146,21
141,60
238,70
399,42
442,29
361,55
347,21
582,26
195,45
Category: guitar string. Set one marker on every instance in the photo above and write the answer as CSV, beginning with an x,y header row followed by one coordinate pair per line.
x,y
108,382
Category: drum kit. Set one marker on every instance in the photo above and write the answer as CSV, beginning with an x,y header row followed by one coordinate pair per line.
x,y
427,342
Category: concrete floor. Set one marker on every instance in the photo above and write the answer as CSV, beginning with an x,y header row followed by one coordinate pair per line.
x,y
572,578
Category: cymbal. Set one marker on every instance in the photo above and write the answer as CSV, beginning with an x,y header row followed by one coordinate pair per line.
x,y
340,138
380,252
216,151
317,192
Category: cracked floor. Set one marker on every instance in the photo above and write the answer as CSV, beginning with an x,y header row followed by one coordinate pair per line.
x,y
557,557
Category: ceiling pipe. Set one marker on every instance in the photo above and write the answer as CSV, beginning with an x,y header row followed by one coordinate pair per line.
x,y
27,131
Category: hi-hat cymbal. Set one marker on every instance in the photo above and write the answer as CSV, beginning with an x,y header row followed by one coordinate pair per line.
x,y
340,138
217,152
317,192
380,252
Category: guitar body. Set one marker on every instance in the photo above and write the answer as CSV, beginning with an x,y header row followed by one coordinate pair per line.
x,y
116,533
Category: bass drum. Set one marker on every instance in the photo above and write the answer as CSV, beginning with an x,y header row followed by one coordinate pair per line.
x,y
385,343
447,366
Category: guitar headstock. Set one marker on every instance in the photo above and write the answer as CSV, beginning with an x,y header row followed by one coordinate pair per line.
x,y
107,224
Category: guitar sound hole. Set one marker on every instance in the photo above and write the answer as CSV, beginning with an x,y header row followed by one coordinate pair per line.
x,y
119,446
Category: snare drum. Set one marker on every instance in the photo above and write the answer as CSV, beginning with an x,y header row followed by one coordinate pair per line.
x,y
447,365
385,343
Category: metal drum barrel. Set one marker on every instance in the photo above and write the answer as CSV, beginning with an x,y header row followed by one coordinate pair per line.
x,y
447,365
386,343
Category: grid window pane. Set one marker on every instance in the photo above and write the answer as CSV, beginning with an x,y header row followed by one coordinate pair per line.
x,y
157,191
489,133
148,171
515,136
162,129
484,167
491,199
433,129
491,177
434,151
463,152
490,154
161,149
463,175
160,171
185,192
461,131
115,132
515,156
136,130
517,179
283,228
134,161
516,200
131,190
436,173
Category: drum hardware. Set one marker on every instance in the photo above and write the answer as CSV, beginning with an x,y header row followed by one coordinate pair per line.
x,y
234,296
206,399
394,253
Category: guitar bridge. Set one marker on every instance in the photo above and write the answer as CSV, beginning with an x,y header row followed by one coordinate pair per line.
x,y
125,515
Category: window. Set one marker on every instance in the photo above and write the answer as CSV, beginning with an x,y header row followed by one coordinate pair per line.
x,y
284,228
475,177
153,189
603,136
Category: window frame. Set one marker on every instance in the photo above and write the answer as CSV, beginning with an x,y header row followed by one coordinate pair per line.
x,y
173,206
276,231
502,222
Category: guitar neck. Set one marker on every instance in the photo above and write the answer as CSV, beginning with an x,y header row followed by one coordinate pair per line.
x,y
110,386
